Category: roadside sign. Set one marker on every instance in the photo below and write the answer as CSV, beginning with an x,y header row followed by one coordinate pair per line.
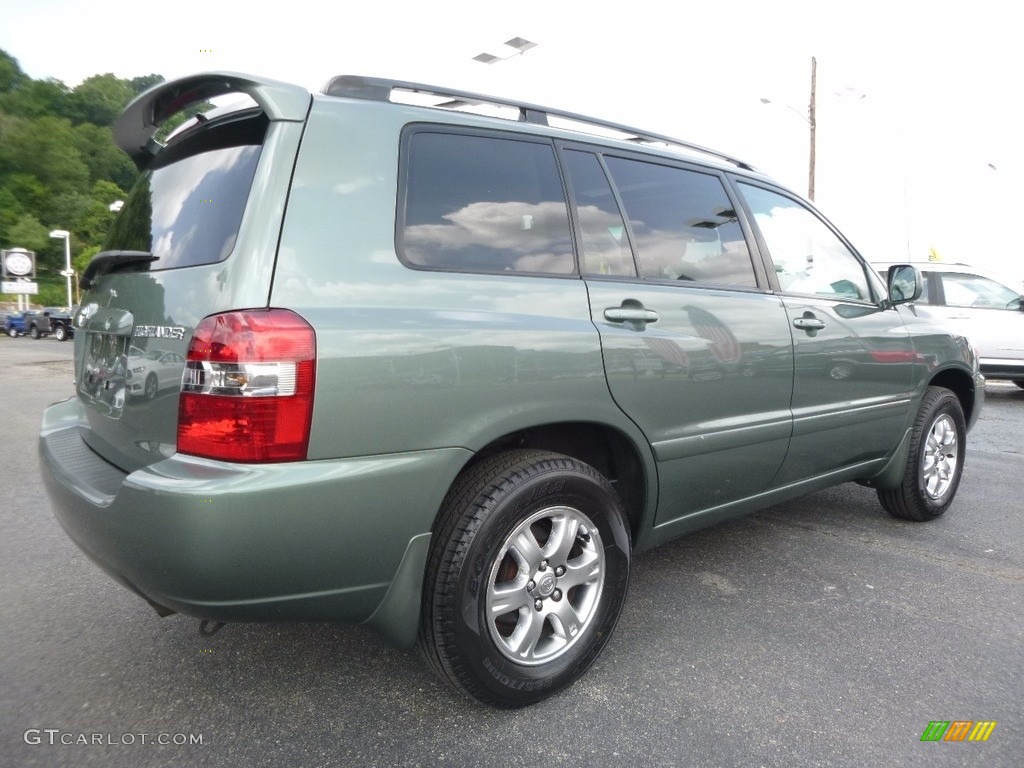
x,y
19,286
18,262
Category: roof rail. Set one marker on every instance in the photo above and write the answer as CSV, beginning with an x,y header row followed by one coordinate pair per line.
x,y
380,89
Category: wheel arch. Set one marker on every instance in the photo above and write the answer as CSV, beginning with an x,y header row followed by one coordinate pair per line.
x,y
961,384
607,449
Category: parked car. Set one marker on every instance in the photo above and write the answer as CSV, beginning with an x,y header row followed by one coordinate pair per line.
x,y
471,369
17,324
61,326
152,371
983,306
55,320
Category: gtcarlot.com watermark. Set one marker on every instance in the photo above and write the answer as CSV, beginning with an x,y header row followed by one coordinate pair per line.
x,y
54,736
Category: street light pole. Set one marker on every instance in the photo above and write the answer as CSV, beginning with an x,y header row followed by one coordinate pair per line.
x,y
68,272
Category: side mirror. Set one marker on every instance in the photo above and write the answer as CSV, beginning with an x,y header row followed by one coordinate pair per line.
x,y
905,284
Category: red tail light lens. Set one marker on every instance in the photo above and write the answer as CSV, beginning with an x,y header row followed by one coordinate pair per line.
x,y
247,390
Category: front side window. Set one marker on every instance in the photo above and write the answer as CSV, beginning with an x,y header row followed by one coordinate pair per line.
x,y
484,204
685,226
809,257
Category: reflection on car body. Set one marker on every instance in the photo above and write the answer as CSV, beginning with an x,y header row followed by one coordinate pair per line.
x,y
104,373
150,371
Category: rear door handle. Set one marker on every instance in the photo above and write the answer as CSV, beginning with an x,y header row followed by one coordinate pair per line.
x,y
632,314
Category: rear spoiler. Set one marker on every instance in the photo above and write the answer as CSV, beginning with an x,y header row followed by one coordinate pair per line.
x,y
134,130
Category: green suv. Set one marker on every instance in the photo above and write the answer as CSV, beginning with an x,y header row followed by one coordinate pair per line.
x,y
448,362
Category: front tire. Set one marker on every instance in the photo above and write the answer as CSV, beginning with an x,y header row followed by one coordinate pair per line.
x,y
935,464
60,333
526,579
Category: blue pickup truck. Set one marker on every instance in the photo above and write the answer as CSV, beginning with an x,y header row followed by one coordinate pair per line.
x,y
55,321
16,324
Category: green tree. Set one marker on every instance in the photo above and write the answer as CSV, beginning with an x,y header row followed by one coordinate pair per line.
x,y
64,209
20,195
99,99
93,219
22,192
27,232
36,98
60,168
81,261
11,76
105,161
144,83
45,148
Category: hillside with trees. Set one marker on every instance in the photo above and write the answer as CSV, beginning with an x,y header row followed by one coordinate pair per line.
x,y
59,167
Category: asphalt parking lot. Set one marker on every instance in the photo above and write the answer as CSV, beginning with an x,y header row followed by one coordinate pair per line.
x,y
818,633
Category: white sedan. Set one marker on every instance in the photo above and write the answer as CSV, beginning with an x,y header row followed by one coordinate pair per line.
x,y
150,371
984,307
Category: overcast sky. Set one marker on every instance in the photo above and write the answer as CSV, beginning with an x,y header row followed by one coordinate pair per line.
x,y
918,135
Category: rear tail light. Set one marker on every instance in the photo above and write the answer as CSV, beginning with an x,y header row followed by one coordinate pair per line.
x,y
247,389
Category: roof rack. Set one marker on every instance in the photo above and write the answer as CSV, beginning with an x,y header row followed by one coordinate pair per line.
x,y
380,89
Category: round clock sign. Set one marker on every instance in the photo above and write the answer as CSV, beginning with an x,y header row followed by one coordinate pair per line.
x,y
18,264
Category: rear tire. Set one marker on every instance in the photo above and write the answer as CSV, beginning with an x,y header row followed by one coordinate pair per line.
x,y
935,464
526,578
33,332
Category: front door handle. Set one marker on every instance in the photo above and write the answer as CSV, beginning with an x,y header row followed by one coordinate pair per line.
x,y
632,314
809,323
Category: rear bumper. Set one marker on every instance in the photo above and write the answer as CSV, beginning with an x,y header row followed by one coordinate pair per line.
x,y
305,541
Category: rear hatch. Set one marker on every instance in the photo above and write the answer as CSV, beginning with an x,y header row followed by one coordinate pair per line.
x,y
196,236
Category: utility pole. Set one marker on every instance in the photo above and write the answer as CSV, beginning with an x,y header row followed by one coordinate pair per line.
x,y
812,121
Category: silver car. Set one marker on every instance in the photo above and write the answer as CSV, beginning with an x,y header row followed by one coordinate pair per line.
x,y
984,307
150,371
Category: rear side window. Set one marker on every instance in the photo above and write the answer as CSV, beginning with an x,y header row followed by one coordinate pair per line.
x,y
684,225
483,204
604,244
187,208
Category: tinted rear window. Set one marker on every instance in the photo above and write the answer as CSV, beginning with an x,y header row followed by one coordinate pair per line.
x,y
187,209
683,223
484,204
